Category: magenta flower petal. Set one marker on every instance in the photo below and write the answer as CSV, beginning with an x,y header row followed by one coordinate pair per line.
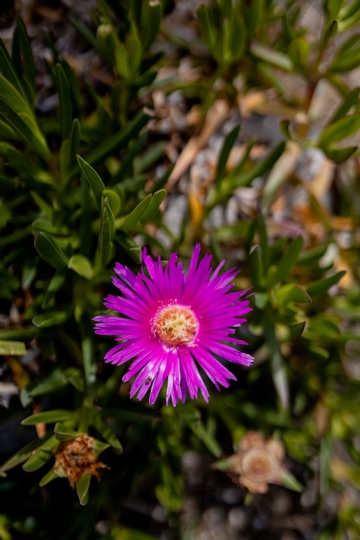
x,y
171,323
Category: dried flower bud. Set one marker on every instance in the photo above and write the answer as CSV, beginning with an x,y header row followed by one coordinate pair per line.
x,y
75,458
257,464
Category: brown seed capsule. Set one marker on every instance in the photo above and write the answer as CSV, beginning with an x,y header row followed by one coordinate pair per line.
x,y
75,458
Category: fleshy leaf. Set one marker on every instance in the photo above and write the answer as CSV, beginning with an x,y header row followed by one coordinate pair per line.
x,y
65,102
136,215
289,481
82,488
55,318
225,152
95,182
50,251
12,348
106,432
49,477
48,417
291,293
81,265
63,433
22,455
322,285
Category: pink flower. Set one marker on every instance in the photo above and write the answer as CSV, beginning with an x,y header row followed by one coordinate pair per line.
x,y
172,323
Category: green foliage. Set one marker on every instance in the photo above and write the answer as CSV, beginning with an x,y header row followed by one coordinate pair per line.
x,y
80,190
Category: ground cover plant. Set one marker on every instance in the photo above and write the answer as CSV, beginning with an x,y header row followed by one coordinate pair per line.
x,y
220,131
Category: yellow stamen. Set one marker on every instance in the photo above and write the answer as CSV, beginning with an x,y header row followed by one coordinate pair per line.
x,y
176,325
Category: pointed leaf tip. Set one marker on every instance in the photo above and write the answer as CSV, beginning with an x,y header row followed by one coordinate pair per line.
x,y
82,488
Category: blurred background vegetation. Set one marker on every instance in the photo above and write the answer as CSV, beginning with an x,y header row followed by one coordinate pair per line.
x,y
162,123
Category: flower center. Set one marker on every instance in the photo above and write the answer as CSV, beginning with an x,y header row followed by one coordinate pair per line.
x,y
176,325
258,465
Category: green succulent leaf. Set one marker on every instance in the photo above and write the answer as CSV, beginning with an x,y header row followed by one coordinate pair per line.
x,y
298,51
130,246
41,455
133,49
291,293
264,244
153,207
340,155
208,32
151,15
49,417
50,384
225,152
19,333
8,70
54,318
107,230
64,433
88,351
330,31
136,215
46,226
37,460
256,270
85,220
65,102
129,158
289,481
28,59
297,329
348,56
99,447
122,61
271,56
340,129
50,251
193,418
15,99
161,182
55,283
21,164
120,139
132,412
12,348
81,265
49,477
153,153
351,20
231,40
251,12
106,432
45,207
22,455
289,258
349,10
75,377
322,285
19,124
82,488
278,368
95,182
113,200
257,170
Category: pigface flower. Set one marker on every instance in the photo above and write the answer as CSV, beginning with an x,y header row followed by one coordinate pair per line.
x,y
171,323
